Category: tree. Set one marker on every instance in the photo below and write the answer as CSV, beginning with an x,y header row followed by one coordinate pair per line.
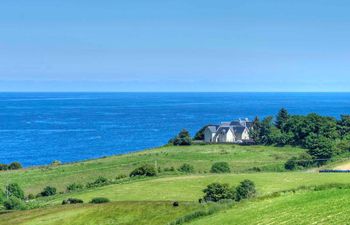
x,y
220,167
145,170
343,125
48,191
15,166
320,147
246,189
266,130
183,138
282,119
216,192
254,131
199,136
14,190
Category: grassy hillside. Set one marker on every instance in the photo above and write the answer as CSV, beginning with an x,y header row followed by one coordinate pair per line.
x,y
315,207
105,214
189,188
241,159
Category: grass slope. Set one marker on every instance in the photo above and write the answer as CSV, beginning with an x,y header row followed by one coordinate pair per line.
x,y
104,214
189,188
241,159
315,207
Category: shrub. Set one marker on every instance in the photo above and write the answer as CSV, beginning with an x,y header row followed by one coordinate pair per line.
x,y
4,167
72,201
100,181
220,167
175,204
186,168
56,163
246,189
14,190
183,138
48,191
99,200
120,176
74,187
15,166
13,203
30,197
145,170
304,160
216,192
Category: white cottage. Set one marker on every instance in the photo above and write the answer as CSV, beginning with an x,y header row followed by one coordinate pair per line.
x,y
228,132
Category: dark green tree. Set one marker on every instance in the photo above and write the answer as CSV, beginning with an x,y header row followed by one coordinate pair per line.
x,y
255,130
145,170
246,189
14,190
199,136
183,138
216,192
282,119
48,191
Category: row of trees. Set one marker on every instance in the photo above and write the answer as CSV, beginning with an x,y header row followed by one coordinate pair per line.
x,y
323,136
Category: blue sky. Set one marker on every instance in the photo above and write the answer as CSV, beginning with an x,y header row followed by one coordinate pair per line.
x,y
175,45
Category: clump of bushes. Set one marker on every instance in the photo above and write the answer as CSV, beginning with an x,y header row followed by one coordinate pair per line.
x,y
183,138
100,181
48,191
176,204
145,170
72,201
121,176
304,160
11,166
216,192
14,203
186,168
74,187
220,167
14,190
99,200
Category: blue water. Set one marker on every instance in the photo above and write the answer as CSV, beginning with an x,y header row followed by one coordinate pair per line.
x,y
38,128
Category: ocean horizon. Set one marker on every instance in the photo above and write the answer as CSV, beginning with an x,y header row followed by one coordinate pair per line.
x,y
37,128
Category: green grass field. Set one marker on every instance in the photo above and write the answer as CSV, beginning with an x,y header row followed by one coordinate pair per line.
x,y
149,200
126,213
305,207
189,188
241,159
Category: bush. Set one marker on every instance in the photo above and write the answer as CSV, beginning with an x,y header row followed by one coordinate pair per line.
x,y
72,201
183,138
121,176
4,167
13,203
145,170
220,167
100,181
48,191
56,163
304,160
74,187
216,192
30,197
186,168
15,166
246,189
14,190
99,200
175,204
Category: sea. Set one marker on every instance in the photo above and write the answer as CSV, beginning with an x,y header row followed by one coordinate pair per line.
x,y
38,128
